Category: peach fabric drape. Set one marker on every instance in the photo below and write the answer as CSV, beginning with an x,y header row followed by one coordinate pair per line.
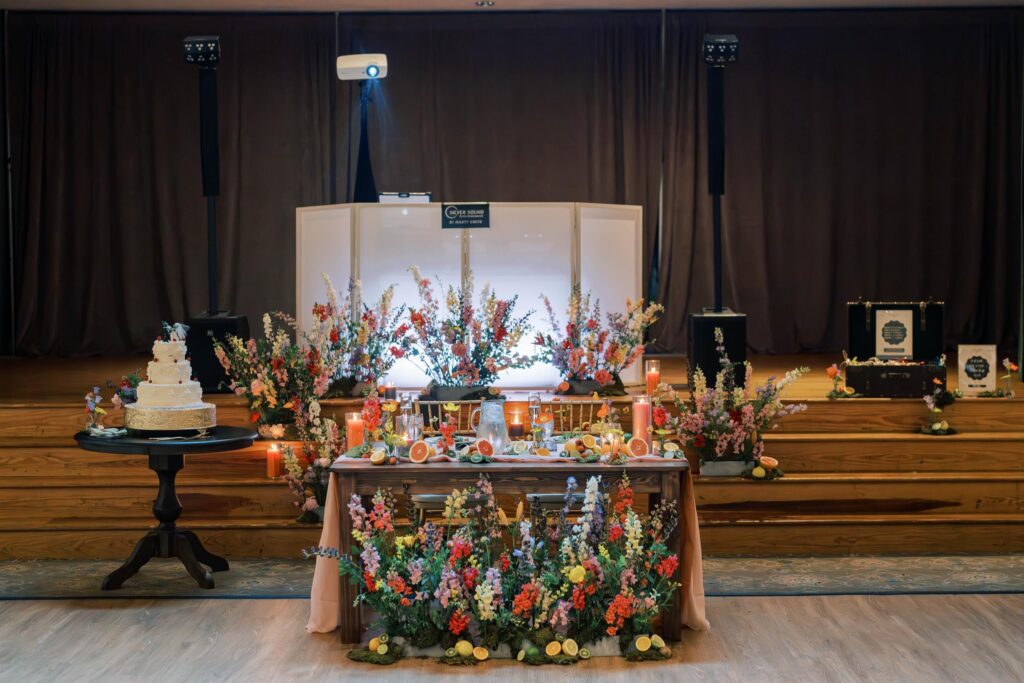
x,y
325,596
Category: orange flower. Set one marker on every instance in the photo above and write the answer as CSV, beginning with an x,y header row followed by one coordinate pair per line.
x,y
936,381
833,371
1012,367
602,412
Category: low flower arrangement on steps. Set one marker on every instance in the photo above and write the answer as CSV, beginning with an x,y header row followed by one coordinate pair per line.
x,y
547,591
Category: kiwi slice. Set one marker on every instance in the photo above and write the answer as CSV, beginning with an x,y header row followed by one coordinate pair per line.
x,y
521,656
584,653
383,638
450,653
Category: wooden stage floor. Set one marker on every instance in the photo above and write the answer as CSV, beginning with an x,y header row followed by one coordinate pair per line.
x,y
910,639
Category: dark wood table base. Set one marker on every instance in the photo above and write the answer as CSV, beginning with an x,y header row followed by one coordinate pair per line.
x,y
167,540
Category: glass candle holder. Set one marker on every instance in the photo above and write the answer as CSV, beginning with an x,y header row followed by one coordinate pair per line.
x,y
354,434
409,428
516,429
390,392
642,419
652,372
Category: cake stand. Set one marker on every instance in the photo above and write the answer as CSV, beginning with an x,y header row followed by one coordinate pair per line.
x,y
166,457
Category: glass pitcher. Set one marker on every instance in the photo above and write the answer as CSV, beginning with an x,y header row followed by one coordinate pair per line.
x,y
491,423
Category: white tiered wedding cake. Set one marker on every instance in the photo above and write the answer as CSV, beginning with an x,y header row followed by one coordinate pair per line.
x,y
170,400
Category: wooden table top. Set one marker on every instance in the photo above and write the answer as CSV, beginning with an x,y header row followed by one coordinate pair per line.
x,y
561,465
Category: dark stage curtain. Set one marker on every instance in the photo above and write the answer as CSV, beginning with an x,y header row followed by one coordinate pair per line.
x,y
514,106
111,222
870,154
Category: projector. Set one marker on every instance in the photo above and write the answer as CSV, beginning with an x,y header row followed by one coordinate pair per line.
x,y
362,67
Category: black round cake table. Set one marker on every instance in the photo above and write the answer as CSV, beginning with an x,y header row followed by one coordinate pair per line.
x,y
166,457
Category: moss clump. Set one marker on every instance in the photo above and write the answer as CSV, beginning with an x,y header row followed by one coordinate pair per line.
x,y
458,661
365,656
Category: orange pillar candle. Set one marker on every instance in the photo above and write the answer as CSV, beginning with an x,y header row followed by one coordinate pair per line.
x,y
642,419
652,370
353,430
275,465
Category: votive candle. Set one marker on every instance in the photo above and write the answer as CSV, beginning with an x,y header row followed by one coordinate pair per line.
x,y
516,428
275,464
353,430
642,419
652,370
390,392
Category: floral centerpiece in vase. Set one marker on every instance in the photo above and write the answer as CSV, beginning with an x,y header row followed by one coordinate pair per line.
x,y
589,355
936,402
277,377
360,349
724,425
462,345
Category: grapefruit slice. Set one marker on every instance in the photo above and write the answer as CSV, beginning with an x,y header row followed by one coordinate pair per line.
x,y
484,447
553,649
637,446
570,647
419,451
480,654
768,462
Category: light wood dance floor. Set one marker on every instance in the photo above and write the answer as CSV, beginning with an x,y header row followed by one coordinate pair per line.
x,y
976,638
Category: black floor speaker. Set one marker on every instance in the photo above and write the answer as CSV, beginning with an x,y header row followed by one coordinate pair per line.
x,y
202,330
703,352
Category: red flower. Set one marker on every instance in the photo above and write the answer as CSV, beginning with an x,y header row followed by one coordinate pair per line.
x,y
397,352
660,416
579,598
469,577
668,566
334,335
458,623
254,418
699,441
523,602
503,563
405,602
371,584
500,334
603,377
615,533
539,340
402,329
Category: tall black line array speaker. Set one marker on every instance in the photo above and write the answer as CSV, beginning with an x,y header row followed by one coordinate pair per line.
x,y
213,323
703,352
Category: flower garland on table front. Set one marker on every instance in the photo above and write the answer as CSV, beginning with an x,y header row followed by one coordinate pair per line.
x,y
363,349
586,350
726,422
462,344
480,580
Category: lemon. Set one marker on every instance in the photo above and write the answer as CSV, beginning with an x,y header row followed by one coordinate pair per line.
x,y
520,447
570,647
553,649
657,641
378,457
480,653
374,644
382,649
464,648
584,653
521,656
642,644
758,472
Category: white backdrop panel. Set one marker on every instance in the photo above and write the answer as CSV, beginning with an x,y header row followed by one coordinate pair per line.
x,y
527,251
323,244
610,259
393,238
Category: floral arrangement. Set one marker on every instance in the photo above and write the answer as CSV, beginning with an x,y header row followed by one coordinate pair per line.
x,y
275,375
584,350
839,388
360,349
1000,392
726,422
459,343
307,475
126,389
940,398
479,580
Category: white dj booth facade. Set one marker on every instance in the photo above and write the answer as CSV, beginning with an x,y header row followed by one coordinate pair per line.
x,y
529,249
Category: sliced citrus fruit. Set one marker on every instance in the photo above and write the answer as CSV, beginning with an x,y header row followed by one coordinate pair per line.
x,y
382,649
419,451
464,648
570,647
657,641
553,649
484,447
563,387
520,447
637,446
542,451
521,656
642,644
570,448
374,644
768,462
378,457
480,653
589,440
584,653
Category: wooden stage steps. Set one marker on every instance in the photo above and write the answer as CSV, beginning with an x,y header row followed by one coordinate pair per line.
x,y
860,479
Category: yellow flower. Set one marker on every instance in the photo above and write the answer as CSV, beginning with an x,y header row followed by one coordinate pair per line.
x,y
577,574
406,541
451,407
390,406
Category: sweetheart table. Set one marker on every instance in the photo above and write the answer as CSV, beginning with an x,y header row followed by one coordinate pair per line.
x,y
332,598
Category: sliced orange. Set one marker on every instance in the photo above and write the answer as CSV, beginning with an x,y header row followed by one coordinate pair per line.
x,y
637,446
768,462
419,451
589,441
542,451
553,649
480,653
485,448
